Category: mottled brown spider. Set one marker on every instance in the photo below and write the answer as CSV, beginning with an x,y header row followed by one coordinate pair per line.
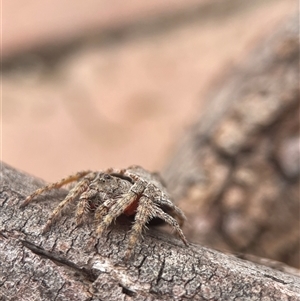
x,y
131,191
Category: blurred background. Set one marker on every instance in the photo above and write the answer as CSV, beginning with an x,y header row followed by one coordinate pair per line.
x,y
94,84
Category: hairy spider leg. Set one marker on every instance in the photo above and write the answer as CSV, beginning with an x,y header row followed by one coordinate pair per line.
x,y
144,213
158,212
162,200
178,213
83,206
79,188
84,200
103,210
120,206
55,185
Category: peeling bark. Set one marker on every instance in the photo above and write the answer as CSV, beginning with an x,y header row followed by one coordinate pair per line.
x,y
60,265
237,169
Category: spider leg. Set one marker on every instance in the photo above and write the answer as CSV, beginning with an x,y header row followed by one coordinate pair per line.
x,y
143,214
174,209
83,205
55,185
78,189
120,205
162,200
103,209
116,210
158,212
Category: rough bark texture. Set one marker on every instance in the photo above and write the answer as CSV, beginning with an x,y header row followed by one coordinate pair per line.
x,y
59,265
237,169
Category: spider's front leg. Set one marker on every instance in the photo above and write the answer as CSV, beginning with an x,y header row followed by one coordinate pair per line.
x,y
143,215
121,204
84,206
56,185
103,210
79,188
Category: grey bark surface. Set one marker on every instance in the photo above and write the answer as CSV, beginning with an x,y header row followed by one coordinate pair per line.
x,y
236,171
60,265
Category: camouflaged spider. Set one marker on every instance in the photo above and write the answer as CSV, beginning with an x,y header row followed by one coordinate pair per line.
x,y
131,191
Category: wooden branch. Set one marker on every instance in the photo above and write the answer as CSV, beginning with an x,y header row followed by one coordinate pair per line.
x,y
236,171
60,265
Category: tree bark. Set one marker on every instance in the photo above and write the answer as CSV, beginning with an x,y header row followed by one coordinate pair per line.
x,y
60,265
236,171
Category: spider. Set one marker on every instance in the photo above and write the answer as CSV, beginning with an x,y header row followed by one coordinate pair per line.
x,y
132,191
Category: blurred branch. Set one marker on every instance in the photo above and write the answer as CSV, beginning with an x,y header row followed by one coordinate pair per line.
x,y
240,161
